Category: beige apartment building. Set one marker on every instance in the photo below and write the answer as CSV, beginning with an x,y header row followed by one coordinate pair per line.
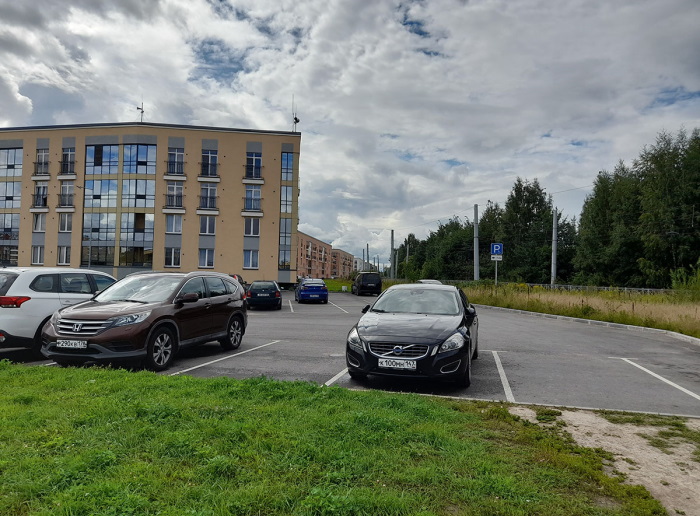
x,y
313,257
341,263
126,197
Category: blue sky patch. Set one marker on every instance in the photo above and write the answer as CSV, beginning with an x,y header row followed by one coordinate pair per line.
x,y
215,59
453,163
670,96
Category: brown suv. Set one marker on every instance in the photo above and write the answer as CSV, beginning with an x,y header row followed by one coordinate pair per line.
x,y
148,316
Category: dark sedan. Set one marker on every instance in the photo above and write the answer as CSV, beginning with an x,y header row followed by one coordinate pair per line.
x,y
416,331
264,294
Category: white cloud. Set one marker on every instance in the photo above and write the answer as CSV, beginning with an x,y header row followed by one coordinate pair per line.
x,y
411,112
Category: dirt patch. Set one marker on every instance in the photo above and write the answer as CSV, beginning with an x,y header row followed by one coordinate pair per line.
x,y
672,477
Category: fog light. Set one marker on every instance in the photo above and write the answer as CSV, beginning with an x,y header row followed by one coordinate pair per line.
x,y
451,367
353,361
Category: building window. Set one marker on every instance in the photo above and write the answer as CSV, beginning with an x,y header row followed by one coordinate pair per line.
x,y
252,197
41,166
136,227
138,193
253,166
139,159
287,166
173,224
9,225
10,162
68,161
66,196
102,159
63,255
250,259
11,194
37,255
172,256
174,197
176,161
101,193
99,227
207,225
209,163
65,222
41,194
252,227
136,257
97,255
207,199
39,223
8,255
206,258
286,199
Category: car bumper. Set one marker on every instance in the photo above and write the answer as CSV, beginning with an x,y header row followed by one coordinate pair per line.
x,y
443,366
313,297
264,301
8,340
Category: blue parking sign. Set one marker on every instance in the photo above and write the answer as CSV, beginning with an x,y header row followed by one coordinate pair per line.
x,y
496,248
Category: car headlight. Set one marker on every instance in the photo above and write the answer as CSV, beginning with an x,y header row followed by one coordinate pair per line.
x,y
126,320
54,320
455,341
354,340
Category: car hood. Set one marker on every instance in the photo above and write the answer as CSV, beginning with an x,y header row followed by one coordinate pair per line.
x,y
97,310
377,327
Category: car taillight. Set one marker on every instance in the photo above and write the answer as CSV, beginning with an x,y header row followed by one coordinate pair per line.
x,y
277,294
12,301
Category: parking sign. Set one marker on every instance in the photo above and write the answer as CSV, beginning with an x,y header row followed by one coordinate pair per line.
x,y
496,248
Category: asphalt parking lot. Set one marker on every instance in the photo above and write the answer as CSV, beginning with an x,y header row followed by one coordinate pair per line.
x,y
523,359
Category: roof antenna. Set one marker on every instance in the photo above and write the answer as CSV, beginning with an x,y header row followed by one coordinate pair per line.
x,y
295,119
140,109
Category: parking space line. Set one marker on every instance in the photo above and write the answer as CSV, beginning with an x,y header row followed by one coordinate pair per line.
x,y
339,308
690,393
224,358
291,307
336,377
504,379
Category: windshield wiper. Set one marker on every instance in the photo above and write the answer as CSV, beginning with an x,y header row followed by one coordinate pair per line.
x,y
379,310
131,301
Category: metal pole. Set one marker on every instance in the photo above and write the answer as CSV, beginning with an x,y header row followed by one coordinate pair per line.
x,y
553,278
476,243
496,280
392,257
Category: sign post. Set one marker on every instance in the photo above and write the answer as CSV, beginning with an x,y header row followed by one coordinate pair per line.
x,y
496,256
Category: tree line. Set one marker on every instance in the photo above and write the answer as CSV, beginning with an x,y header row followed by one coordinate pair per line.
x,y
639,227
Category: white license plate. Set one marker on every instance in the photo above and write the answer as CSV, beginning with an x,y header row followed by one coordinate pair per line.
x,y
313,295
263,295
73,344
397,364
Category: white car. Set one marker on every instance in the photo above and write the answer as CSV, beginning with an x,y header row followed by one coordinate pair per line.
x,y
30,295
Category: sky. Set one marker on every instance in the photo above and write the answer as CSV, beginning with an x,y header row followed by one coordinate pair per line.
x,y
411,112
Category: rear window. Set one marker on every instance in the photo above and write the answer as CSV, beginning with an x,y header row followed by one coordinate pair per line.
x,y
370,278
262,285
6,279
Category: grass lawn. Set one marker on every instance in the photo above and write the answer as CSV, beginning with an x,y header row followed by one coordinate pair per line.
x,y
93,441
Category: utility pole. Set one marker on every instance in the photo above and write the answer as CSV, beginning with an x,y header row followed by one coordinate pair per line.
x,y
392,257
368,258
476,242
554,248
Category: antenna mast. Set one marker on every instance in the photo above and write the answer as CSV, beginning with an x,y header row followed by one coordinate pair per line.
x,y
140,109
295,119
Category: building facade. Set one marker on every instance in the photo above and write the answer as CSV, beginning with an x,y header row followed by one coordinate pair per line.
x,y
313,257
341,263
126,197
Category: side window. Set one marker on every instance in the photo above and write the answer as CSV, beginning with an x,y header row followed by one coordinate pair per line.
x,y
75,283
216,287
44,283
231,287
195,285
102,282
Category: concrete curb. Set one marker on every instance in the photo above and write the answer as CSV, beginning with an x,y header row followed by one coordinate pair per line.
x,y
679,336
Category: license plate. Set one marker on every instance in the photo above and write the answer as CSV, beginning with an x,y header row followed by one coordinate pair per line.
x,y
263,295
73,344
397,364
313,295
370,284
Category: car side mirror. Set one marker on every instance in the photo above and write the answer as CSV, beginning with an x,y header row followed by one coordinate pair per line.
x,y
365,309
470,314
191,297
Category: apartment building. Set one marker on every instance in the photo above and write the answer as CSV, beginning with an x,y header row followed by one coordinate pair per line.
x,y
341,263
313,257
127,197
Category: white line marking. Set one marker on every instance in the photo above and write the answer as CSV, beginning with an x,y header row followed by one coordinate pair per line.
x,y
504,380
339,308
690,393
224,358
290,306
336,378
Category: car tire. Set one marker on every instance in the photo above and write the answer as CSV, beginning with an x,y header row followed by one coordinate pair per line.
x,y
325,301
279,307
36,344
357,376
160,351
234,334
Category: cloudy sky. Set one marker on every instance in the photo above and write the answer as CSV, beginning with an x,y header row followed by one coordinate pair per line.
x,y
411,111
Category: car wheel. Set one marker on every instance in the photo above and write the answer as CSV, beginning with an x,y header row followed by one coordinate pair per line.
x,y
36,344
357,376
325,301
234,334
161,349
466,379
279,307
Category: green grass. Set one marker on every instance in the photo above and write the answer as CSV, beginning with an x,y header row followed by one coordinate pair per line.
x,y
93,441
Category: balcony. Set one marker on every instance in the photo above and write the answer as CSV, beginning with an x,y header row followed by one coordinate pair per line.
x,y
65,201
174,200
177,168
9,235
209,170
41,168
67,168
39,200
207,202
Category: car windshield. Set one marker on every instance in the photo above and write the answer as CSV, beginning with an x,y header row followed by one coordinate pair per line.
x,y
262,285
418,301
141,289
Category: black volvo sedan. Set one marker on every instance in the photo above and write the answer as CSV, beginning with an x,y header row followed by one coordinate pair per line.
x,y
417,331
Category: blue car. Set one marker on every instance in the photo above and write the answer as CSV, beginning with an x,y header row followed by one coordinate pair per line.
x,y
311,290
